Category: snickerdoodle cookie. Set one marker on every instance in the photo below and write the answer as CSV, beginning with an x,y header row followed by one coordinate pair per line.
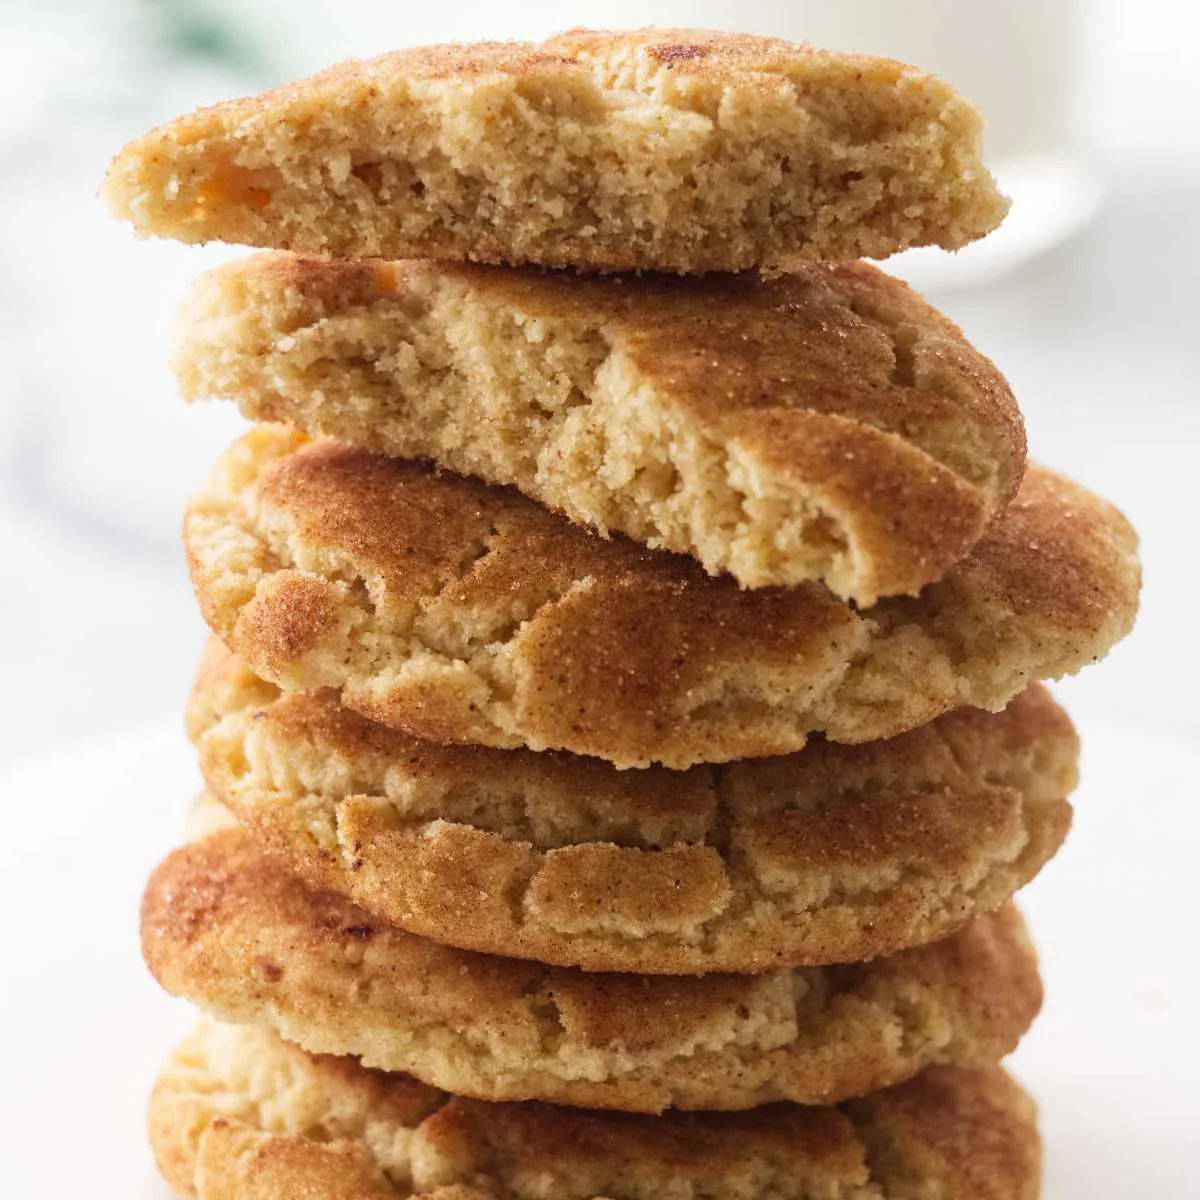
x,y
664,149
833,854
467,613
827,424
232,930
238,1114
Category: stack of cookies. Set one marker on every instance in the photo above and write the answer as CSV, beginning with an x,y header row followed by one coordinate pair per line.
x,y
622,730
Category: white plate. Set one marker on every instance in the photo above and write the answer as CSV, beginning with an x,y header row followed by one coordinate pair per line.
x,y
1053,198
1114,1060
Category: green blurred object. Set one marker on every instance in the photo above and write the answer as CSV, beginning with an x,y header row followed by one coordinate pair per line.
x,y
189,29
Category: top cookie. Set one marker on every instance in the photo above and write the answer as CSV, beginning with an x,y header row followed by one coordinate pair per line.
x,y
469,614
664,149
826,424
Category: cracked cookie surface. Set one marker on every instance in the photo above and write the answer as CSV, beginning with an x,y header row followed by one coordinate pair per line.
x,y
232,930
827,424
237,1114
466,613
662,149
834,854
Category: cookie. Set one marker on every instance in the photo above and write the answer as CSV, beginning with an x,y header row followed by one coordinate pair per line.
x,y
466,613
834,854
663,149
237,1114
233,931
826,424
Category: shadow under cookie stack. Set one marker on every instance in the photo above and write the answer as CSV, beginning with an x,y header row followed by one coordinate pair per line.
x,y
622,730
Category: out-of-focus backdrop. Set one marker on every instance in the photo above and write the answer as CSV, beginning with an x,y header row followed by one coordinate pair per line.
x,y
1087,300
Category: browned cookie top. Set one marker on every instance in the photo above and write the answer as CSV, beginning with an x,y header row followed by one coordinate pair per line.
x,y
466,613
